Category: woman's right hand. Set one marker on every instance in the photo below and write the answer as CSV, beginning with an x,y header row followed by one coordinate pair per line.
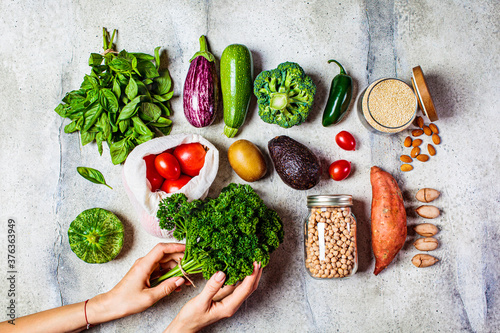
x,y
214,303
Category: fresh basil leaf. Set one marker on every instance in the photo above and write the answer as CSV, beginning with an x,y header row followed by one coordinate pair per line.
x,y
140,127
120,65
99,140
165,130
142,56
99,70
131,90
92,175
134,63
92,96
143,138
164,107
158,99
112,121
71,127
149,112
105,125
147,69
168,96
91,116
109,100
120,150
75,96
122,79
130,109
79,123
161,122
129,131
62,110
157,57
143,90
87,137
89,82
147,81
116,88
163,83
123,125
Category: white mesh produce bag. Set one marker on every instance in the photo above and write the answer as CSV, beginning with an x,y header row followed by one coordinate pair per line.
x,y
138,188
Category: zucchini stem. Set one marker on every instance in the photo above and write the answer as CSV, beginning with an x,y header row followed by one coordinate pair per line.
x,y
230,132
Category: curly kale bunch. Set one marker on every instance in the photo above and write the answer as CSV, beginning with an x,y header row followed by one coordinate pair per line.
x,y
228,233
285,95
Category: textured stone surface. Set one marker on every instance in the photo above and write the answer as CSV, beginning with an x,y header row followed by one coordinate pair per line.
x,y
44,52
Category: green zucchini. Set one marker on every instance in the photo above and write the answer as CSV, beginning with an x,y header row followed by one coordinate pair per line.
x,y
236,71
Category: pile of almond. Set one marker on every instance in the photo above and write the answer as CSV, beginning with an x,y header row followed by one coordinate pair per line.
x,y
432,131
426,230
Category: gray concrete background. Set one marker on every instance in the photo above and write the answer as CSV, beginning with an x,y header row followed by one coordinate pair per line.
x,y
44,52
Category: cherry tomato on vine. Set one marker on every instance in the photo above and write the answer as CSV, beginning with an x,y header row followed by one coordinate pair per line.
x,y
345,140
339,170
171,186
155,179
191,157
168,166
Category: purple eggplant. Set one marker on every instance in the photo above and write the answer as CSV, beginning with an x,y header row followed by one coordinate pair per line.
x,y
201,88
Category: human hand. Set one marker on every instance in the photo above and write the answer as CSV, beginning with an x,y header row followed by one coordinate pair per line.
x,y
133,293
214,303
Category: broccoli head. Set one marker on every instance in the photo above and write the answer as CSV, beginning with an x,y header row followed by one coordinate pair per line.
x,y
285,95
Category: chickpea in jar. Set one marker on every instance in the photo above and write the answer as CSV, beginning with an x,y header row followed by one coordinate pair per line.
x,y
330,242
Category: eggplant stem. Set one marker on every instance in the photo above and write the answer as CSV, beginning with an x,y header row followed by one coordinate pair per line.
x,y
203,52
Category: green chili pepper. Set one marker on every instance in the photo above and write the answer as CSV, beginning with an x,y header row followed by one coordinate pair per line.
x,y
339,98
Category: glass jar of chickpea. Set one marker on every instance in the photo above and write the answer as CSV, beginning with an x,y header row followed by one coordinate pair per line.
x,y
330,237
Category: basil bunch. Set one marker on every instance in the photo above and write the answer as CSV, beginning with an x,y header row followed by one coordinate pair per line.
x,y
123,101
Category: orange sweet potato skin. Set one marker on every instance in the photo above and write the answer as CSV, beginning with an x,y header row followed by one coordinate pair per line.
x,y
388,218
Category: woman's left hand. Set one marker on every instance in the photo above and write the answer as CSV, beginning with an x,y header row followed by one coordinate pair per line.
x,y
133,293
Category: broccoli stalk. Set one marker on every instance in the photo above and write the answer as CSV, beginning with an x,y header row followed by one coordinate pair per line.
x,y
285,95
228,233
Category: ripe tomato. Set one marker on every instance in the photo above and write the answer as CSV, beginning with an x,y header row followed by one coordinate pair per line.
x,y
155,179
171,186
167,166
339,170
345,140
191,157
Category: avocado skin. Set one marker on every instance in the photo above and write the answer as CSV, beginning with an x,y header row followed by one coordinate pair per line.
x,y
296,164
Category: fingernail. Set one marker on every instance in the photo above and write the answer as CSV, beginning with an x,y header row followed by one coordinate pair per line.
x,y
179,282
220,276
260,265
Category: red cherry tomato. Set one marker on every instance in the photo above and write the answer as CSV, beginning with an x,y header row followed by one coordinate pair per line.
x,y
171,186
191,157
345,140
339,170
167,166
155,179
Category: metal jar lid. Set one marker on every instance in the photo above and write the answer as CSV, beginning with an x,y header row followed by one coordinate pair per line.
x,y
329,200
423,94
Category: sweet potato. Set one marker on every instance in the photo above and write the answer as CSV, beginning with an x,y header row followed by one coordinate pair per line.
x,y
388,218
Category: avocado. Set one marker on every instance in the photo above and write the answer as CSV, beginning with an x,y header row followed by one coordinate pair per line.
x,y
296,164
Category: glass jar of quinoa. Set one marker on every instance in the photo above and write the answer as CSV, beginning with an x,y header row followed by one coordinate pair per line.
x,y
387,106
330,237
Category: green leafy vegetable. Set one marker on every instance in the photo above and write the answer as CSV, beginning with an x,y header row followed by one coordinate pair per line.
x,y
228,233
96,236
92,175
285,95
119,87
